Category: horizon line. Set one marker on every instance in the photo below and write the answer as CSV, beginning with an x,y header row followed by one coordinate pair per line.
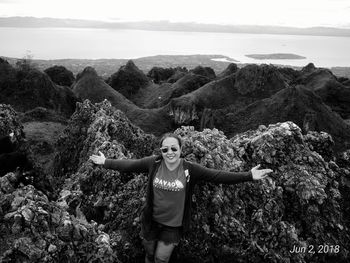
x,y
116,21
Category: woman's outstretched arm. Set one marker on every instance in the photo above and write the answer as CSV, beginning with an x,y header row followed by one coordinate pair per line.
x,y
225,177
123,165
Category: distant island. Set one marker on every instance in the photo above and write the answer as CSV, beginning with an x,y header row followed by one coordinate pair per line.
x,y
34,22
275,56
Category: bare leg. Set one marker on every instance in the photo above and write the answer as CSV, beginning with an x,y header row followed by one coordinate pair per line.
x,y
163,252
149,248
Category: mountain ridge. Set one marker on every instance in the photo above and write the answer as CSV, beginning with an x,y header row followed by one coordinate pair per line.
x,y
18,21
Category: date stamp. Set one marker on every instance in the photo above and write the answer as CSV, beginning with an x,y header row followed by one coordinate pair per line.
x,y
319,249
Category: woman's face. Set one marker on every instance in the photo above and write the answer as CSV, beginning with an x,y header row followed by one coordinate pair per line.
x,y
170,150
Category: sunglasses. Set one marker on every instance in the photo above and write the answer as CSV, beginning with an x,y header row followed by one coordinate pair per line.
x,y
166,149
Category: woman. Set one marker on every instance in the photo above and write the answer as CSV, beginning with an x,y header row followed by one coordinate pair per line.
x,y
171,179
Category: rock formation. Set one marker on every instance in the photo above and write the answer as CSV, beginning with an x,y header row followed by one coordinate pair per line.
x,y
96,214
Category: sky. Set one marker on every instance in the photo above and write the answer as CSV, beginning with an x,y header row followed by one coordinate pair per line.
x,y
295,13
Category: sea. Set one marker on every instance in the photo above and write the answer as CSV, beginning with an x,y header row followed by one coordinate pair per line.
x,y
89,43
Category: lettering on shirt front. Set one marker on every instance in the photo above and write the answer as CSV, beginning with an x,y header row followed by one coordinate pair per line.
x,y
175,185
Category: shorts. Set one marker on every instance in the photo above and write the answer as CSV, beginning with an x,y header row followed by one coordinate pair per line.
x,y
167,234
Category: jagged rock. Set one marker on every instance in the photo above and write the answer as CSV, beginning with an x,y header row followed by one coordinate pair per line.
x,y
102,122
41,231
9,122
128,79
269,217
322,143
60,75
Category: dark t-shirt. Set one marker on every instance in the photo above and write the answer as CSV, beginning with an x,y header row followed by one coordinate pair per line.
x,y
169,195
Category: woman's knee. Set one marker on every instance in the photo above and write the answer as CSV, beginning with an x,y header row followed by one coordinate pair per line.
x,y
149,246
163,252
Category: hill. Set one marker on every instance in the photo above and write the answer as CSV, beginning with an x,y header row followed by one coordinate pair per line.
x,y
296,104
26,88
92,87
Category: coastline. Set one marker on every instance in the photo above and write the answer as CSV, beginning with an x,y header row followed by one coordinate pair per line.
x,y
106,67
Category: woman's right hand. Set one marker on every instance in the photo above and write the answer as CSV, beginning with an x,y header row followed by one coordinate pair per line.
x,y
98,159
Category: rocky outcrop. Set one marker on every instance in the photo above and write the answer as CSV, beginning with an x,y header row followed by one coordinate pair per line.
x,y
38,230
96,214
9,122
71,145
23,156
128,80
60,75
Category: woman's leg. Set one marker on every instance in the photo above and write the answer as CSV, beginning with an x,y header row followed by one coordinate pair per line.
x,y
163,252
150,246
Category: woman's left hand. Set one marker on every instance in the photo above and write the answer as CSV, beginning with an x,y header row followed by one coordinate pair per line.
x,y
259,174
